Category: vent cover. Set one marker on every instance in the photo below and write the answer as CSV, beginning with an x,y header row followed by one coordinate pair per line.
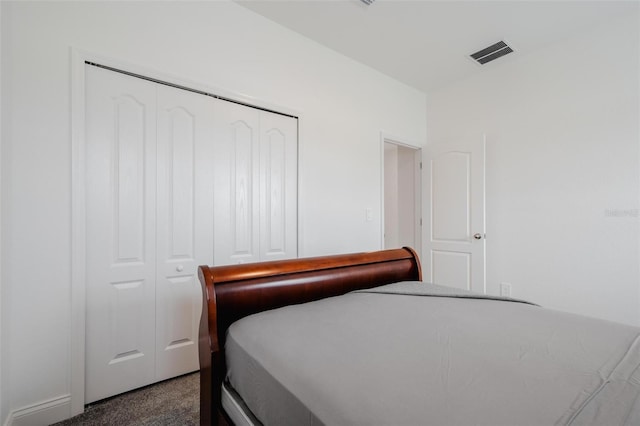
x,y
491,53
367,2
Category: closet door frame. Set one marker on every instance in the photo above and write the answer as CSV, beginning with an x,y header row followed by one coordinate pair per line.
x,y
79,57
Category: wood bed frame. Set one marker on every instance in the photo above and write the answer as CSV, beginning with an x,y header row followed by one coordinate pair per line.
x,y
233,292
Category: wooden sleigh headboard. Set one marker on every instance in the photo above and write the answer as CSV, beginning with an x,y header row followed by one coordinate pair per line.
x,y
234,292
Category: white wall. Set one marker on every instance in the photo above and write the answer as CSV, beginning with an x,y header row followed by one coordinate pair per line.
x,y
3,407
562,169
344,108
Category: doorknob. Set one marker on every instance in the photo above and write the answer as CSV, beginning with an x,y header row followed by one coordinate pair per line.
x,y
477,236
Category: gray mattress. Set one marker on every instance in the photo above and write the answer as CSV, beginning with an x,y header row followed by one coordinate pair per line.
x,y
413,354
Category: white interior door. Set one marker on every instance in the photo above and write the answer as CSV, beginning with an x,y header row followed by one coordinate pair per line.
x,y
121,232
456,244
185,189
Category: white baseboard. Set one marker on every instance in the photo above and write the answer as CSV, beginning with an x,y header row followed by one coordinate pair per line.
x,y
42,413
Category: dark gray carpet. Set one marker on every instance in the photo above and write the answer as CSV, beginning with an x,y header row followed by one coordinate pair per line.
x,y
172,402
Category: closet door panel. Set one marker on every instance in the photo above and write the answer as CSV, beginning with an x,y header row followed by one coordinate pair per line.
x,y
120,230
237,184
185,224
278,186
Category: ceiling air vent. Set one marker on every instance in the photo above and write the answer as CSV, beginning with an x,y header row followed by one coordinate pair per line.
x,y
367,2
491,53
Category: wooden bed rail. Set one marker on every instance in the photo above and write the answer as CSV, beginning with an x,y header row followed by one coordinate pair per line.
x,y
236,291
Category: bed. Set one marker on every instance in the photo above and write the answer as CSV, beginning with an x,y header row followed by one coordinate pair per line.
x,y
360,339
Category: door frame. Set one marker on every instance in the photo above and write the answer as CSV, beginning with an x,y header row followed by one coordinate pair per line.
x,y
78,200
419,231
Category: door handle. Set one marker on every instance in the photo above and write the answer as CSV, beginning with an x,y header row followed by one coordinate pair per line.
x,y
477,236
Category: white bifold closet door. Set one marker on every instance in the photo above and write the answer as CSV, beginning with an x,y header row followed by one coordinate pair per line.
x,y
184,229
174,179
149,217
256,185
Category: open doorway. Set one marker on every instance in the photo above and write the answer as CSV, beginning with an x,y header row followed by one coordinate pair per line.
x,y
402,201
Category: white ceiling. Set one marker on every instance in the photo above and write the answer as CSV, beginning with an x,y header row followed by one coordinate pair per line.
x,y
426,43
